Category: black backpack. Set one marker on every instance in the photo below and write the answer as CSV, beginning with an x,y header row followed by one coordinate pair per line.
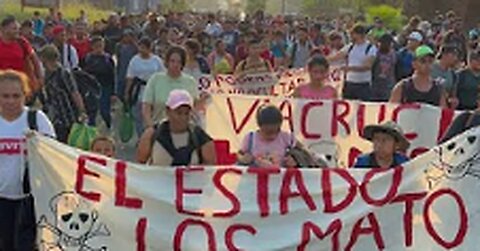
x,y
90,90
180,156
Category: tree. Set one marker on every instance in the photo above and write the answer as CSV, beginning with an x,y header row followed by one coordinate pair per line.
x,y
255,5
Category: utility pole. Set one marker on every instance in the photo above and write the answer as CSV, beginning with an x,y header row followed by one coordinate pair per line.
x,y
283,6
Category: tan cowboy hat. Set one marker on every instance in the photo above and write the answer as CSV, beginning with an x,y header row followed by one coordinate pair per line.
x,y
390,128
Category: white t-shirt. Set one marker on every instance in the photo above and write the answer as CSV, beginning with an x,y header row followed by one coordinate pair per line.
x,y
70,57
358,56
12,152
144,68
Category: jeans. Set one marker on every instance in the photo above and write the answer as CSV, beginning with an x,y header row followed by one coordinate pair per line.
x,y
17,226
105,106
356,91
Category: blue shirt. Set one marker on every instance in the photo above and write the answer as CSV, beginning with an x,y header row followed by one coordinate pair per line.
x,y
368,161
38,26
405,62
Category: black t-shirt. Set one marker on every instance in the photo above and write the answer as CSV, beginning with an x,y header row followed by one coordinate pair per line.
x,y
102,67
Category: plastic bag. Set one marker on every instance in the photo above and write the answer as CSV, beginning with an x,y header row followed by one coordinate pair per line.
x,y
126,128
81,136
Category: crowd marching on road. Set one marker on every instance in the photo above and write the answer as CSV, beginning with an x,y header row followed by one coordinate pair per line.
x,y
55,73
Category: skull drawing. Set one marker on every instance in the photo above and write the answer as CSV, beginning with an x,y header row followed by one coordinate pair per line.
x,y
74,224
327,150
457,159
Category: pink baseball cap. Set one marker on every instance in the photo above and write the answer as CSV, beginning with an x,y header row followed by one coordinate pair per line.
x,y
177,98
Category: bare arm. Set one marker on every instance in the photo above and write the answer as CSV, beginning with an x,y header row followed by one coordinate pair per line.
x,y
443,99
128,86
396,95
144,149
77,98
147,110
208,154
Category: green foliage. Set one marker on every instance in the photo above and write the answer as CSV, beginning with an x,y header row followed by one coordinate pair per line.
x,y
70,11
391,16
310,7
176,6
255,5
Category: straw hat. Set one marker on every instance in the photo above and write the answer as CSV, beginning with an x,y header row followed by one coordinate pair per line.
x,y
390,128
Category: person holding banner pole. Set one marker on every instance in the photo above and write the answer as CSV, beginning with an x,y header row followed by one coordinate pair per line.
x,y
175,141
269,145
420,88
17,216
318,70
388,141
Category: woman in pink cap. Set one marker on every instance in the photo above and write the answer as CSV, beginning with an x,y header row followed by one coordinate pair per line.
x,y
175,141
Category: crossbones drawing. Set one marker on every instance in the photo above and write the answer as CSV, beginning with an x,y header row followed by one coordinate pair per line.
x,y
456,160
75,223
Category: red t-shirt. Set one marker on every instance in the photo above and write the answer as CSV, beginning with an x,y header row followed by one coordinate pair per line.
x,y
82,46
268,56
12,54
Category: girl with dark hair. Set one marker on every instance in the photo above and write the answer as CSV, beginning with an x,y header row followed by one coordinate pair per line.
x,y
318,69
268,146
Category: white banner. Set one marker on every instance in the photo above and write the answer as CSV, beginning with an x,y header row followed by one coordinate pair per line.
x,y
87,202
332,128
270,84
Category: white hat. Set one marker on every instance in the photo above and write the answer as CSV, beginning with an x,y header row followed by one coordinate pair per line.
x,y
417,36
177,98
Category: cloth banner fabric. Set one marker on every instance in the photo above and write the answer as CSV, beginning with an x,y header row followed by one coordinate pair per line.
x,y
330,128
271,84
88,202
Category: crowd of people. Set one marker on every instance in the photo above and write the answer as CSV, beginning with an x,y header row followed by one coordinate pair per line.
x,y
73,70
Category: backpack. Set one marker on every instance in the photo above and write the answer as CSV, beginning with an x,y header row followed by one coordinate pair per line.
x,y
90,90
303,157
350,48
203,64
181,156
294,51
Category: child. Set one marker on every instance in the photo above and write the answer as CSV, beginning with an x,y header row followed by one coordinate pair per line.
x,y
104,146
318,70
388,144
268,146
